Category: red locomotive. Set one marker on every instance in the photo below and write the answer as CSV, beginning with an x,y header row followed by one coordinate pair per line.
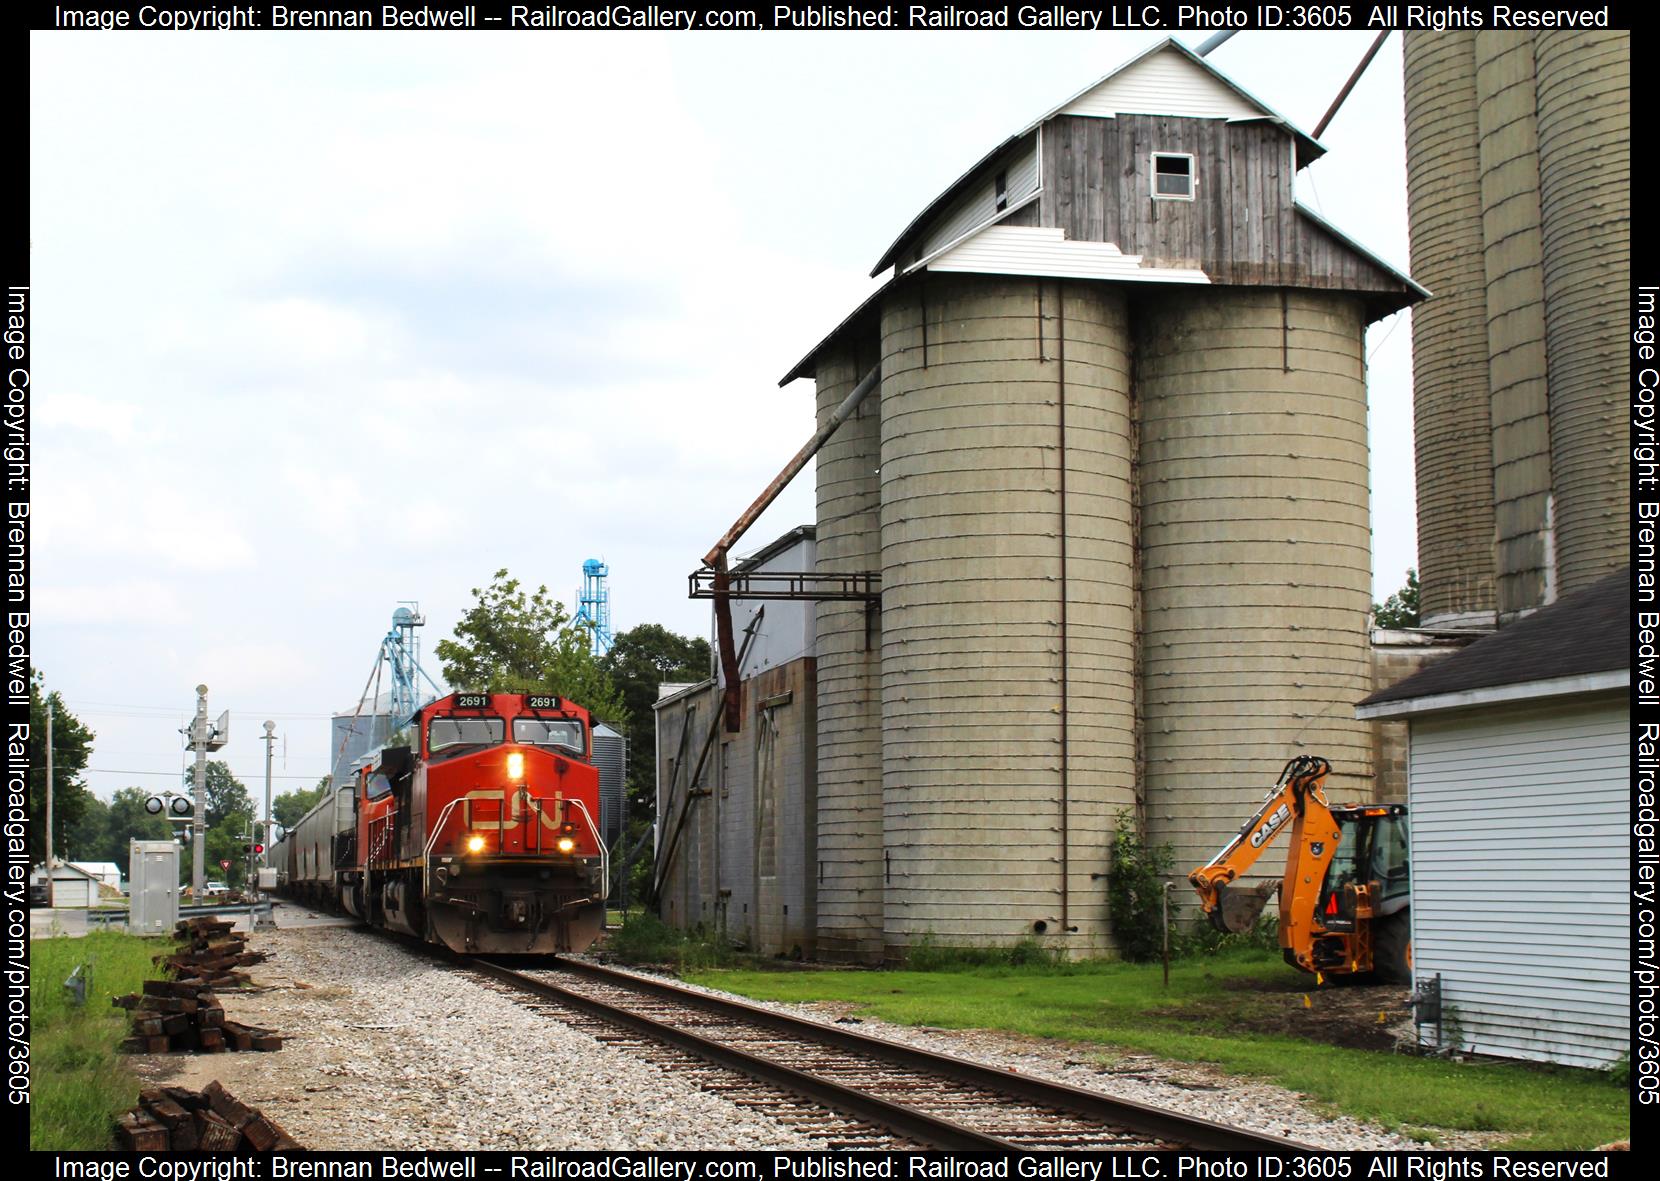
x,y
482,835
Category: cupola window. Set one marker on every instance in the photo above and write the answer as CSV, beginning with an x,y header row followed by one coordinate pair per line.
x,y
1173,176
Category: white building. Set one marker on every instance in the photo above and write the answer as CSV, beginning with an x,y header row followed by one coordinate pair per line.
x,y
107,872
1520,793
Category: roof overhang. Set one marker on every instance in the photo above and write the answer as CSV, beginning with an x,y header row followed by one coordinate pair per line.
x,y
1496,695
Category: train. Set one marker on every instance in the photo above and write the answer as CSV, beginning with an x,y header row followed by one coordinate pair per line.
x,y
482,834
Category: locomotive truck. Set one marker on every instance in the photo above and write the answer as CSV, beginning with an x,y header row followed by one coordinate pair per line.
x,y
482,834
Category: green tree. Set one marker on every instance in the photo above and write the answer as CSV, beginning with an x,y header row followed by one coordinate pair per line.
x,y
88,839
71,749
130,821
225,793
511,641
287,808
1401,608
640,661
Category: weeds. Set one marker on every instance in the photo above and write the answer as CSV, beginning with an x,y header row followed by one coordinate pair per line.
x,y
646,939
927,954
79,1083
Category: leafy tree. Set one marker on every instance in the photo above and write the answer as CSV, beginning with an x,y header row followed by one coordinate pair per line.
x,y
130,821
88,839
514,642
640,660
287,808
226,794
1401,608
71,749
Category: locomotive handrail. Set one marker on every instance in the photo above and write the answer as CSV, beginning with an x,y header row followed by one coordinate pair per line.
x,y
593,830
604,853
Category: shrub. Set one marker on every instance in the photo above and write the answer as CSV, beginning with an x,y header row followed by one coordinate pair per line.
x,y
1135,891
927,954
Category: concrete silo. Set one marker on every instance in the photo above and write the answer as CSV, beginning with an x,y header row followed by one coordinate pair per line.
x,y
1008,622
1584,101
1517,159
1113,489
849,645
1255,551
1453,451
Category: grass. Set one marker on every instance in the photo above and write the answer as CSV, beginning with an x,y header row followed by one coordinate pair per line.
x,y
80,1084
1123,1007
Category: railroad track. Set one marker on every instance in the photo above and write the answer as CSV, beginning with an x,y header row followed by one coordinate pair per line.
x,y
851,1090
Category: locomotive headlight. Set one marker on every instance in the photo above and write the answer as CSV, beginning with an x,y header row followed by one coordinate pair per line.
x,y
516,765
475,844
565,844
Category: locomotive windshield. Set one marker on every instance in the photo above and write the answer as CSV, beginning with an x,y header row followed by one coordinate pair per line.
x,y
565,732
451,734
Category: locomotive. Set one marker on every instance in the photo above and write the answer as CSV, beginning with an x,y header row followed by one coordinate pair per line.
x,y
482,835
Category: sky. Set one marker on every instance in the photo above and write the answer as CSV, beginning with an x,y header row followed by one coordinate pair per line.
x,y
325,323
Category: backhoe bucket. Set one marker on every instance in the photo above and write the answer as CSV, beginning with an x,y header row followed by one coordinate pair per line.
x,y
1239,907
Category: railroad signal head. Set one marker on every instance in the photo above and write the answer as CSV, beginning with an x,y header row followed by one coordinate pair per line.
x,y
254,847
180,806
153,805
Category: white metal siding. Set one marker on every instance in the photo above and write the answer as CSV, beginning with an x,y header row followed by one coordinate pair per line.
x,y
1164,84
1521,873
980,204
1047,251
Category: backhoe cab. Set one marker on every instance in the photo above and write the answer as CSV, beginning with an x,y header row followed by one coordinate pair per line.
x,y
1345,892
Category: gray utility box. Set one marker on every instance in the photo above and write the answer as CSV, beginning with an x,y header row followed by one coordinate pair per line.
x,y
268,877
153,877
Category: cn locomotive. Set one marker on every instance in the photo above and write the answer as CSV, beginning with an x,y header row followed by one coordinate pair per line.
x,y
482,834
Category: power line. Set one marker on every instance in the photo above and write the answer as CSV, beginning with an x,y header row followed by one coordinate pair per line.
x,y
175,774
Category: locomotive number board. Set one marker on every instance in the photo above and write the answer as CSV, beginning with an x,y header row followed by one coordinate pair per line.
x,y
543,701
472,701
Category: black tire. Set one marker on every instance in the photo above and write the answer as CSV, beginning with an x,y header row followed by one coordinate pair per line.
x,y
1392,948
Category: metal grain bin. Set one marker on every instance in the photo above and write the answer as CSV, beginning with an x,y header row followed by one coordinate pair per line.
x,y
611,757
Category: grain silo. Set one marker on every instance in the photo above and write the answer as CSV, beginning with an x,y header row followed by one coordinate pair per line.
x,y
611,757
1519,182
1007,622
1255,551
1112,486
849,646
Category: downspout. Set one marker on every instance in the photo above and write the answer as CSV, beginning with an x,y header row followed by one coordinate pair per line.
x,y
715,559
1066,751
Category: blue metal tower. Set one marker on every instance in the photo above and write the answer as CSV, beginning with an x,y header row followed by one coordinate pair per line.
x,y
594,605
401,651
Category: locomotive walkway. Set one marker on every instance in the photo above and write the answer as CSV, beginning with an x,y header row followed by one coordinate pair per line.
x,y
852,1090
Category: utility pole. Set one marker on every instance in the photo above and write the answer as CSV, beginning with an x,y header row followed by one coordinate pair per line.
x,y
265,839
51,881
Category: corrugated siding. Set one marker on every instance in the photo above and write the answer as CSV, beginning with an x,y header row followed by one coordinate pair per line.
x,y
980,204
1163,84
1520,873
1047,252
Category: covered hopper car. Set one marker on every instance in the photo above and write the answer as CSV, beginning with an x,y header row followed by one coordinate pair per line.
x,y
482,835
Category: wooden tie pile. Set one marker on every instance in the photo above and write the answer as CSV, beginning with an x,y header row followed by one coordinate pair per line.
x,y
174,1119
184,1014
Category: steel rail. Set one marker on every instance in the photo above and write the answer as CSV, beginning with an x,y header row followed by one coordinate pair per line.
x,y
907,1121
1155,1122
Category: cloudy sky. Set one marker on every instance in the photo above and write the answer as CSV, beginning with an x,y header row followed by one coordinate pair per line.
x,y
325,322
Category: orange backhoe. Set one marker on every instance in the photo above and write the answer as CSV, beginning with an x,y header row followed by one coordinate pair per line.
x,y
1345,894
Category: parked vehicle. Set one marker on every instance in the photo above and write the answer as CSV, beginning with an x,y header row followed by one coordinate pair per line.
x,y
1345,896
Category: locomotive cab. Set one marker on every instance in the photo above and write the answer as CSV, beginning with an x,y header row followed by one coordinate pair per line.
x,y
484,836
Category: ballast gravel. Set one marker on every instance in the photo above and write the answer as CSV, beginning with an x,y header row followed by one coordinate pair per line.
x,y
383,1049
1195,1089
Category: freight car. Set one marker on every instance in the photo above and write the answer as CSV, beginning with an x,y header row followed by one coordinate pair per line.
x,y
482,834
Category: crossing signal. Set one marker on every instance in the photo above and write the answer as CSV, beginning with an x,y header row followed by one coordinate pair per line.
x,y
256,847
